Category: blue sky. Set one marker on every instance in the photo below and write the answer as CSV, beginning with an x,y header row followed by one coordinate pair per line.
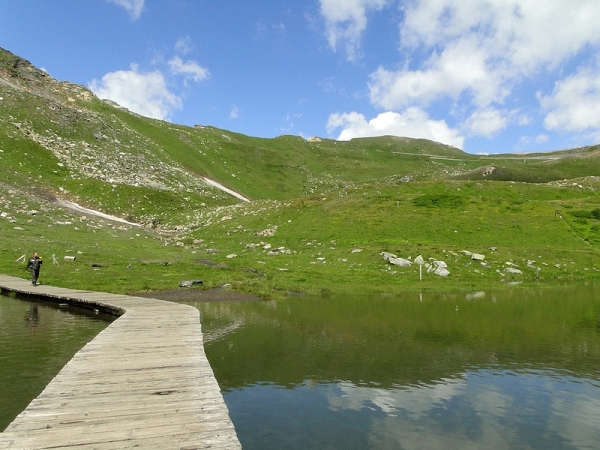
x,y
487,76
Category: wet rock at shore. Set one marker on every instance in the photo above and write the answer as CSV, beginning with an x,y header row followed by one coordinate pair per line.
x,y
190,283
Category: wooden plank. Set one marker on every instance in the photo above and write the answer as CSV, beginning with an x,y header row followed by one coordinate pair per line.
x,y
143,382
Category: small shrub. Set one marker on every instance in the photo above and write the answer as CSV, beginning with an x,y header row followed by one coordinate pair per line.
x,y
581,214
439,201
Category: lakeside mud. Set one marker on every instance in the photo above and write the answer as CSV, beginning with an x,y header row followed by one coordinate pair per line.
x,y
199,295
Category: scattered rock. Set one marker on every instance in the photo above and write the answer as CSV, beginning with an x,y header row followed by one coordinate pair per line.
x,y
268,232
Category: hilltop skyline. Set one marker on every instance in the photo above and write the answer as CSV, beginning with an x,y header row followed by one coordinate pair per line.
x,y
490,76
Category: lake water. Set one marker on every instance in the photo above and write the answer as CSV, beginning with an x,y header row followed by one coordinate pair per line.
x,y
506,370
495,370
36,340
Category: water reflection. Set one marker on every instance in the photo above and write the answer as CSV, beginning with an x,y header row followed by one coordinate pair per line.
x,y
482,409
32,317
36,340
517,369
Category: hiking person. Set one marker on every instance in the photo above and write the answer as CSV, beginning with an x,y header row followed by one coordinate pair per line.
x,y
34,264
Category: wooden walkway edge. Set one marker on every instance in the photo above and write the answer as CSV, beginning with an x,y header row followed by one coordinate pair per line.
x,y
144,382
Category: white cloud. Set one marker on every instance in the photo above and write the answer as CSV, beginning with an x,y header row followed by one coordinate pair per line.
x,y
541,139
460,68
133,7
190,69
528,34
144,93
235,112
477,52
486,122
413,122
345,22
184,45
574,105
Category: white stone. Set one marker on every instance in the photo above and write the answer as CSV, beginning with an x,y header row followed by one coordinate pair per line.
x,y
477,256
387,256
401,262
441,271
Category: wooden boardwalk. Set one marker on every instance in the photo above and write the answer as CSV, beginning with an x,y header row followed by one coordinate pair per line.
x,y
144,382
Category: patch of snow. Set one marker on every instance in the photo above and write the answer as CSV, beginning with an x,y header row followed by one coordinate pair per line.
x,y
224,189
76,207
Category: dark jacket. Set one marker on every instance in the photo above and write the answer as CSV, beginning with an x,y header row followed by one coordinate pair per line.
x,y
34,263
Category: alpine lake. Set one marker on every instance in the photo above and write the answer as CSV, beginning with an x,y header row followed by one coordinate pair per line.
x,y
512,369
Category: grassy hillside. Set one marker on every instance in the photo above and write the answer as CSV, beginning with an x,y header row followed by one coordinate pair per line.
x,y
321,211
